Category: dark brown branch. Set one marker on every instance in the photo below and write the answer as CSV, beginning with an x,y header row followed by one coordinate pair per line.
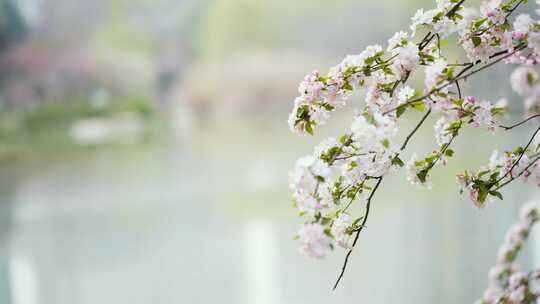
x,y
454,9
404,145
514,8
461,76
379,180
519,174
429,36
519,158
464,76
442,152
362,225
519,123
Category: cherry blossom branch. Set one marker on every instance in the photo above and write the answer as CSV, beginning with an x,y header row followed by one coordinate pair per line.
x,y
461,76
514,8
519,158
519,123
442,152
455,80
519,174
507,283
362,225
367,152
366,214
411,134
458,89
429,36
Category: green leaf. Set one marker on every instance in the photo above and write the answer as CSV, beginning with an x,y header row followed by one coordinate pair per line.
x,y
356,221
400,110
397,161
479,23
328,107
482,193
494,176
328,232
326,220
420,106
309,128
530,78
457,102
497,194
476,40
449,152
422,175
347,86
482,173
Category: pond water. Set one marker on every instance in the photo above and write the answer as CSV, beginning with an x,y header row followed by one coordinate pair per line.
x,y
206,218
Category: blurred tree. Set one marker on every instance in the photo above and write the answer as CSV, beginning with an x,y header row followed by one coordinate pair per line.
x,y
12,24
240,26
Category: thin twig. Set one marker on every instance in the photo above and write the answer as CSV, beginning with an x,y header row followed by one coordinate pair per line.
x,y
519,123
364,220
379,180
404,145
519,158
519,175
458,89
460,76
441,153
513,8
427,39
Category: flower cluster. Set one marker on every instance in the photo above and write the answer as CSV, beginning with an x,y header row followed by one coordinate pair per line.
x,y
503,168
524,81
506,283
455,114
327,183
320,95
443,19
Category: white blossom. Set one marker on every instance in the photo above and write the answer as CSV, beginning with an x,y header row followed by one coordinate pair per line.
x,y
339,229
404,94
397,40
422,17
523,23
523,80
434,71
441,133
412,170
407,59
314,242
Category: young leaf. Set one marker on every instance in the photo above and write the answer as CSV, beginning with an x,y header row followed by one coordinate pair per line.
x,y
497,194
476,41
397,161
400,110
419,106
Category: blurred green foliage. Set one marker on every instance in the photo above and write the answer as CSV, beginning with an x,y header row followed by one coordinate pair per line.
x,y
44,128
59,114
12,25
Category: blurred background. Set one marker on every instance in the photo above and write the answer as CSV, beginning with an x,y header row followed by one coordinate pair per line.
x,y
144,153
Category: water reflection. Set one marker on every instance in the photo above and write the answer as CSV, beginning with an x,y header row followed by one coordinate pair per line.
x,y
261,265
23,280
208,219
